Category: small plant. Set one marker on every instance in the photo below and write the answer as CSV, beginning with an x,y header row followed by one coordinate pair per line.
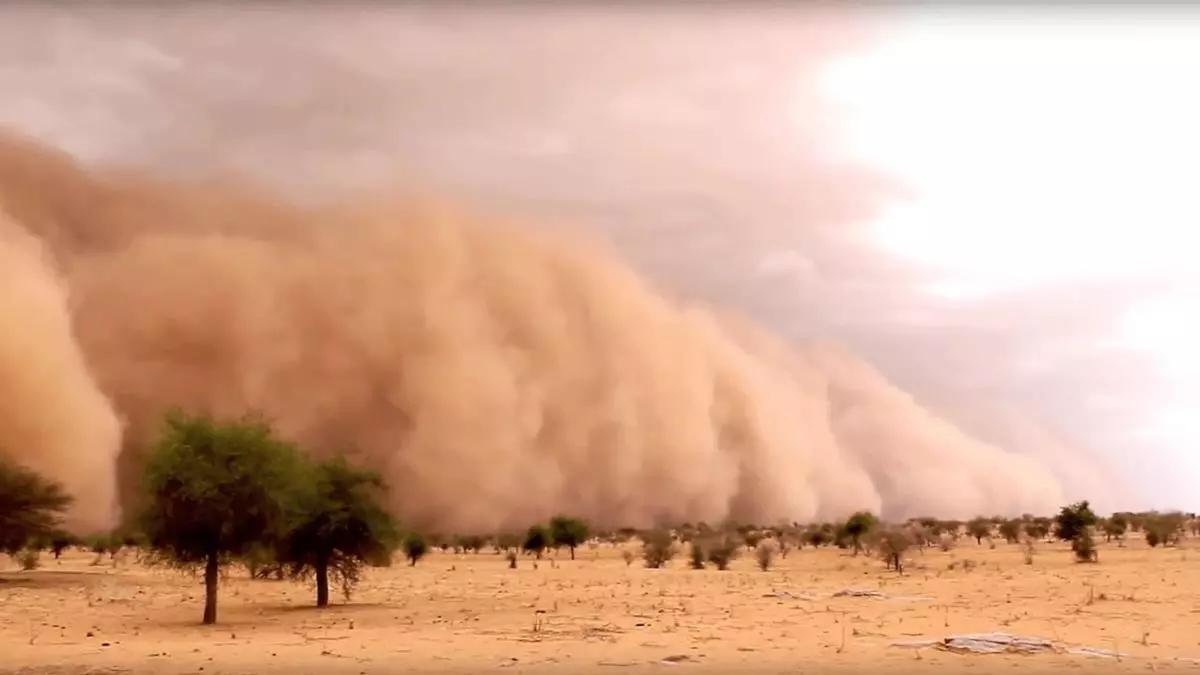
x,y
696,556
1028,549
414,547
1085,547
657,548
722,552
628,556
764,554
511,556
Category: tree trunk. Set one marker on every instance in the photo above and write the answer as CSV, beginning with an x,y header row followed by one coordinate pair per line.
x,y
210,589
322,582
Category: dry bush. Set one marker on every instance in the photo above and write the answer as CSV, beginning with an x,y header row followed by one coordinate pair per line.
x,y
892,545
628,556
764,554
1028,550
28,559
657,548
1084,547
696,556
511,556
722,551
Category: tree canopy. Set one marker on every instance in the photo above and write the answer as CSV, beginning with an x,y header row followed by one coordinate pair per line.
x,y
30,506
1073,521
213,489
569,532
339,525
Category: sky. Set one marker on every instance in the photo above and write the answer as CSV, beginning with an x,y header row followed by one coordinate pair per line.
x,y
992,206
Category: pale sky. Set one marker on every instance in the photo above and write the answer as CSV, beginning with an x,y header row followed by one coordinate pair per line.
x,y
997,208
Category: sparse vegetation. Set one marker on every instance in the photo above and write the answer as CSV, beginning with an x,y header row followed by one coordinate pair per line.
x,y
1084,547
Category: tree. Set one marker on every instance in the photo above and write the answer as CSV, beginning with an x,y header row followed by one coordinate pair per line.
x,y
979,528
817,536
1114,527
1073,520
722,551
764,553
214,489
60,540
30,506
414,547
339,526
1084,547
569,532
536,541
1011,531
858,525
1038,528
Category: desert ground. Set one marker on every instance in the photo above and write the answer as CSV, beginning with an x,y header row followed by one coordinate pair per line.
x,y
470,613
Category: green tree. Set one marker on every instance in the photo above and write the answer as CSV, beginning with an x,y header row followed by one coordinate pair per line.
x,y
536,541
339,526
1073,520
858,525
30,506
414,547
214,489
1011,531
569,532
979,528
1115,527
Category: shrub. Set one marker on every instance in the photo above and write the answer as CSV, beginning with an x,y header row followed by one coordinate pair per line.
x,y
764,554
657,548
569,532
1073,520
1011,531
1114,527
28,559
536,541
1161,530
414,547
722,551
1028,550
696,556
817,536
1085,547
628,556
892,545
511,556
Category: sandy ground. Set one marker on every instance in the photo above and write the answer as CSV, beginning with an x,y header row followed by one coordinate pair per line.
x,y
469,613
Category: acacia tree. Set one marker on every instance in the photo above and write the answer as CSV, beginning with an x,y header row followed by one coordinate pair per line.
x,y
979,528
212,490
536,541
1073,520
30,506
858,525
569,532
1011,531
339,526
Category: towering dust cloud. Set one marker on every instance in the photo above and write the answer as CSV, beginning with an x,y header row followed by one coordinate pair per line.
x,y
494,375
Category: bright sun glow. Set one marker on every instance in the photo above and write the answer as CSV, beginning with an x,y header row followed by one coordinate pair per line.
x,y
1049,150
